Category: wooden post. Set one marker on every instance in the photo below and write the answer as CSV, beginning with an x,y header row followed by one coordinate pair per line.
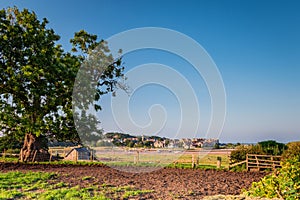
x,y
136,157
219,159
50,151
4,154
273,163
76,155
34,155
247,166
91,154
193,161
175,163
257,163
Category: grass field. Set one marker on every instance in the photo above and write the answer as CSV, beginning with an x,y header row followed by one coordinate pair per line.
x,y
163,158
157,158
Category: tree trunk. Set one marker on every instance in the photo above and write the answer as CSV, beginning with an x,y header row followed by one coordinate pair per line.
x,y
32,149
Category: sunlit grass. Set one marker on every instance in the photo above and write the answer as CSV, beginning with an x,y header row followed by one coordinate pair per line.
x,y
163,159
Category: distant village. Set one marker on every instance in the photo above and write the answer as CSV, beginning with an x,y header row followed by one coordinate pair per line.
x,y
126,140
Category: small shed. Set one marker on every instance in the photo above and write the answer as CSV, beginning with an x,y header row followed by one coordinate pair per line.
x,y
80,153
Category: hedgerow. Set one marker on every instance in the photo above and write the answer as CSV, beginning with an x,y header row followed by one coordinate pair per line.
x,y
283,183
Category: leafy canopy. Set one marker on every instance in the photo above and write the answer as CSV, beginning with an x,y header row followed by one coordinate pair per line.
x,y
37,77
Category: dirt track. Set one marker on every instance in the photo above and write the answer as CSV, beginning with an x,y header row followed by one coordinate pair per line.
x,y
166,183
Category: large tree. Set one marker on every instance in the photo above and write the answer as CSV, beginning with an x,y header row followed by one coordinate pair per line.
x,y
37,78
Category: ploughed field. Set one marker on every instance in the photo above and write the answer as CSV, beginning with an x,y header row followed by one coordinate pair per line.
x,y
166,183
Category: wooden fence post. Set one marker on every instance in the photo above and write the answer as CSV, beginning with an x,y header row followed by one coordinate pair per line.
x,y
247,165
219,159
91,154
76,156
257,163
273,164
34,155
193,161
50,152
136,157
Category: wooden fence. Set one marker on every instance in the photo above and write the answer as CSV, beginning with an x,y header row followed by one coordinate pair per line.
x,y
262,162
257,162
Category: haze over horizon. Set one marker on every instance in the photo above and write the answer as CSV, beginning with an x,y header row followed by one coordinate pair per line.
x,y
254,44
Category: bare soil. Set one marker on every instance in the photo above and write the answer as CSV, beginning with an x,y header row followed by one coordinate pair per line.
x,y
167,183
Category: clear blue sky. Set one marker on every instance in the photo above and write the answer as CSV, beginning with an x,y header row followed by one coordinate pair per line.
x,y
255,45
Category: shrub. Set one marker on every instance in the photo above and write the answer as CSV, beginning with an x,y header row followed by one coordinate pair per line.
x,y
272,147
239,154
284,183
292,151
269,147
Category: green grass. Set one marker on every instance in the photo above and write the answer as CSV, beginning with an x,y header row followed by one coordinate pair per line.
x,y
40,185
165,159
150,159
128,194
8,159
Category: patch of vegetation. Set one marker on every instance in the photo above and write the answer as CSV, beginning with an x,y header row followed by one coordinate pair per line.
x,y
292,151
128,194
269,147
231,197
189,166
239,168
35,185
16,184
283,184
74,193
8,159
86,178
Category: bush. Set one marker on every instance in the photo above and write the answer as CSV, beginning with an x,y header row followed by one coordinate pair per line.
x,y
284,183
10,142
239,154
292,151
269,147
272,147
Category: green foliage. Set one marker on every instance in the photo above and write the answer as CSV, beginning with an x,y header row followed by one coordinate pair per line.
x,y
28,56
72,193
292,151
128,194
272,147
12,182
37,78
217,146
240,153
284,183
239,168
263,148
9,141
86,178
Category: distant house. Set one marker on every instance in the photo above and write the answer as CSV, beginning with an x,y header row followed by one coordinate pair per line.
x,y
159,144
79,154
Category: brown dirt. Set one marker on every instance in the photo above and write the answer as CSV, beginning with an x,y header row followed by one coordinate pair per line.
x,y
166,183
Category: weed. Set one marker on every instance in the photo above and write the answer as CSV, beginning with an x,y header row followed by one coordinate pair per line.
x,y
87,178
